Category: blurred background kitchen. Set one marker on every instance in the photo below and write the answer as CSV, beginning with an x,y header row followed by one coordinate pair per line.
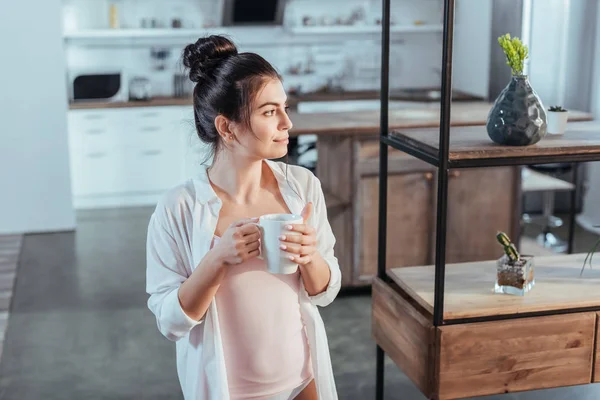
x,y
98,123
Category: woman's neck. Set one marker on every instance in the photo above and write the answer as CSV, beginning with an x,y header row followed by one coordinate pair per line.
x,y
239,178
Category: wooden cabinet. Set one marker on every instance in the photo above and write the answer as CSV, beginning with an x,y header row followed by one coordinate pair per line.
x,y
480,202
410,202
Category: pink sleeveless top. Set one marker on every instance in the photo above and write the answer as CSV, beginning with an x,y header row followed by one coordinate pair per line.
x,y
264,339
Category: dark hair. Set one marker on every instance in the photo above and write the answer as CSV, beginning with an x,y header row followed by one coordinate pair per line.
x,y
226,83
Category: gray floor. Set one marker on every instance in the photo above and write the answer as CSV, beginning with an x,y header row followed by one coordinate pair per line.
x,y
79,327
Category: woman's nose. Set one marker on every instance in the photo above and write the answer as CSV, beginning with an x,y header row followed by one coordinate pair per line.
x,y
286,122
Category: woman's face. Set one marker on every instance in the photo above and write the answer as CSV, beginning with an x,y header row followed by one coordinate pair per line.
x,y
269,122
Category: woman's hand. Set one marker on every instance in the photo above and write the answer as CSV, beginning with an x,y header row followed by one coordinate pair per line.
x,y
304,246
240,242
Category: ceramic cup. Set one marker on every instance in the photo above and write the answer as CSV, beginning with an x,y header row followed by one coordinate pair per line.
x,y
272,226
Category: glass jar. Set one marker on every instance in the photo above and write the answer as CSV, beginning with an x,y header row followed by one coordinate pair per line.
x,y
514,277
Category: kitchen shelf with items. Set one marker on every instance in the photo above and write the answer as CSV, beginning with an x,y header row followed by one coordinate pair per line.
x,y
135,33
360,29
508,324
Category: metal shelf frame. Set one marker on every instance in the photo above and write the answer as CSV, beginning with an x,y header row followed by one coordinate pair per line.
x,y
444,165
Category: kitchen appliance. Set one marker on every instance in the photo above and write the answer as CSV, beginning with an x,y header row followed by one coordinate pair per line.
x,y
103,85
140,89
244,12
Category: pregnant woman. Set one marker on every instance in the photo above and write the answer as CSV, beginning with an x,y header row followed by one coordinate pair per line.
x,y
242,332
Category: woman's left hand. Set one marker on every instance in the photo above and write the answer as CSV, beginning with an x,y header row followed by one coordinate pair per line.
x,y
303,246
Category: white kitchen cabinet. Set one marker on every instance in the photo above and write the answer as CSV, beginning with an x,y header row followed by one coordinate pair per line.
x,y
129,156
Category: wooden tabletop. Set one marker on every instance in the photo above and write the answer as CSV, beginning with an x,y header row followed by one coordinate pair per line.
x,y
473,142
469,287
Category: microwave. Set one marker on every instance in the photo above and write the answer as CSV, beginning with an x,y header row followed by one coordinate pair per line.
x,y
97,85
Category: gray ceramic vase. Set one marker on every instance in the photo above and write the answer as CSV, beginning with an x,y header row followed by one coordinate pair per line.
x,y
518,117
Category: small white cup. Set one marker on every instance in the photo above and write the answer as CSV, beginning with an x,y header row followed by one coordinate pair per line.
x,y
272,226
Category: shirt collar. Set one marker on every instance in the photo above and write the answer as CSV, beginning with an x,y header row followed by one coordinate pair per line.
x,y
205,193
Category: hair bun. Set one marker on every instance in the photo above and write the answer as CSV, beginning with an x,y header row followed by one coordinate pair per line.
x,y
206,54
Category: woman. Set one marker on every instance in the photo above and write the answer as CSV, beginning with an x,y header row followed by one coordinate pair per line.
x,y
241,332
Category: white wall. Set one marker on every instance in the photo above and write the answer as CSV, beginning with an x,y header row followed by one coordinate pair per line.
x,y
561,51
35,193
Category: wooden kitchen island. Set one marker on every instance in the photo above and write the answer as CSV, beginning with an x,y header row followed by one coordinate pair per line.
x,y
348,167
486,343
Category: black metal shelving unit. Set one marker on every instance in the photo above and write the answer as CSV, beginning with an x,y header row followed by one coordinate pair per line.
x,y
440,159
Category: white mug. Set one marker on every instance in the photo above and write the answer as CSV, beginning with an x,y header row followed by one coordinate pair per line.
x,y
272,226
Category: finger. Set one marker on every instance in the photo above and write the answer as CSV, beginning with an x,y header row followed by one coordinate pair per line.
x,y
252,246
307,211
301,239
244,221
252,237
248,229
291,248
301,228
302,260
252,254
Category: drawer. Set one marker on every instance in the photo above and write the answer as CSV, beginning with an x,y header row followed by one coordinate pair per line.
x,y
98,172
126,170
156,169
93,119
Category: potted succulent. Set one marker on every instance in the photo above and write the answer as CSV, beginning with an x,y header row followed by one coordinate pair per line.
x,y
514,272
557,120
518,117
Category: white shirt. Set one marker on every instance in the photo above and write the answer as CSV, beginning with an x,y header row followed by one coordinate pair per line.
x,y
179,235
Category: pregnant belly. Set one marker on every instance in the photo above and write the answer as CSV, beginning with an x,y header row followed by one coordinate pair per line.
x,y
263,336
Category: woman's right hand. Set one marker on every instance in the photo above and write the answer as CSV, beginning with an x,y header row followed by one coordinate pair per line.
x,y
240,242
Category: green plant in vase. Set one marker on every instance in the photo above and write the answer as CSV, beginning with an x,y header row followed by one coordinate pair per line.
x,y
514,272
518,117
516,53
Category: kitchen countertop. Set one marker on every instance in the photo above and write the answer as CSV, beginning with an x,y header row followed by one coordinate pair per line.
x,y
154,102
365,122
418,95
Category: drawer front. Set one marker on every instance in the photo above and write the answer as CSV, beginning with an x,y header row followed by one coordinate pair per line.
x,y
516,355
98,172
111,171
155,169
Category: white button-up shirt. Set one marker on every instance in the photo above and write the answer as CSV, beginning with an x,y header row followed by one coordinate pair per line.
x,y
179,236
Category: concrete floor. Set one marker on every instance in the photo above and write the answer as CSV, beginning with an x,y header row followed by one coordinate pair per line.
x,y
79,327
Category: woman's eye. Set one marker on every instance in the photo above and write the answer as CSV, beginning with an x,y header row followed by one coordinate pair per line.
x,y
269,113
286,109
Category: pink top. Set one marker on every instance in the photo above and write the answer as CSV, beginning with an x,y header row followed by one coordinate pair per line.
x,y
264,340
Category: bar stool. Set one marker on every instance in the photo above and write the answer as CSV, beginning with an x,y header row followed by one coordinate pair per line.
x,y
539,178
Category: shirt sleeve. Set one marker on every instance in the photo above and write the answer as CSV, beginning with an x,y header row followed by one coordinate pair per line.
x,y
166,270
325,243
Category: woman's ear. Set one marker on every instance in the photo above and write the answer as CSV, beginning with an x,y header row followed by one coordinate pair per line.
x,y
222,125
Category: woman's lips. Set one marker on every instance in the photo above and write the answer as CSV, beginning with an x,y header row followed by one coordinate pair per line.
x,y
284,140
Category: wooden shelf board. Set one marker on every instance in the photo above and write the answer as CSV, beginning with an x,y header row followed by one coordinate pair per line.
x,y
471,143
469,288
